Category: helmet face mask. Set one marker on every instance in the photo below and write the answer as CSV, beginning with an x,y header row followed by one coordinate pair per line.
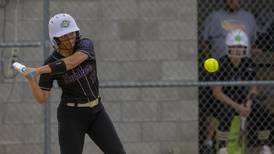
x,y
237,51
60,25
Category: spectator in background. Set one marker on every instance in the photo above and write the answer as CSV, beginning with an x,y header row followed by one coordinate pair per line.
x,y
219,22
265,40
214,31
234,102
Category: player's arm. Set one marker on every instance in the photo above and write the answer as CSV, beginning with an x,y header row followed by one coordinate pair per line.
x,y
40,95
251,96
219,95
251,76
252,92
62,65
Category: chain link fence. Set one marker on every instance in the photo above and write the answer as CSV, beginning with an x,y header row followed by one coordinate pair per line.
x,y
222,126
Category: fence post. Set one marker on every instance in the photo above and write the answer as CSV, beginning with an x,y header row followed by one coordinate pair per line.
x,y
47,121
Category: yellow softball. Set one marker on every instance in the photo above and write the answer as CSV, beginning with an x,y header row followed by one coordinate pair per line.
x,y
211,65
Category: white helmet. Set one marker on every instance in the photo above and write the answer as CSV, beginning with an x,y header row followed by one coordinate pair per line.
x,y
61,24
237,37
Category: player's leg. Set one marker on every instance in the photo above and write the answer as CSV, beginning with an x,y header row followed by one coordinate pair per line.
x,y
206,121
261,123
103,133
227,135
70,131
211,127
221,114
70,140
222,136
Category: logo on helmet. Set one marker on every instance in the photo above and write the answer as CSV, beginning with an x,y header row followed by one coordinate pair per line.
x,y
65,23
237,38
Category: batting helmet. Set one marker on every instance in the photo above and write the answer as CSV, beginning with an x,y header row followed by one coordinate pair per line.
x,y
61,24
237,37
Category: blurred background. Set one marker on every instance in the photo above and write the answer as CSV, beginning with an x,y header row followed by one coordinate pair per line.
x,y
150,70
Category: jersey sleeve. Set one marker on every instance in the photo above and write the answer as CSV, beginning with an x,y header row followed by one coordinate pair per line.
x,y
46,80
86,46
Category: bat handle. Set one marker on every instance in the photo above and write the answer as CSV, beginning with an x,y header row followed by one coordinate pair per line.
x,y
242,123
31,74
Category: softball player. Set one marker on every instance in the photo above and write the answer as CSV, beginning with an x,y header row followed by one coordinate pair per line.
x,y
233,102
80,112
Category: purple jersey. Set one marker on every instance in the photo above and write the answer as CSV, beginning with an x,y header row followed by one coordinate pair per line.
x,y
79,84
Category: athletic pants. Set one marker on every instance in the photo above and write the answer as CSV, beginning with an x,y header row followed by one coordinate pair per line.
x,y
75,122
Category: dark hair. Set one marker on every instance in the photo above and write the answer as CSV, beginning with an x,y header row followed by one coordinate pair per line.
x,y
57,41
78,37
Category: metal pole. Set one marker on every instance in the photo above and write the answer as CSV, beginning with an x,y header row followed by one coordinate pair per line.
x,y
181,83
47,122
20,45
